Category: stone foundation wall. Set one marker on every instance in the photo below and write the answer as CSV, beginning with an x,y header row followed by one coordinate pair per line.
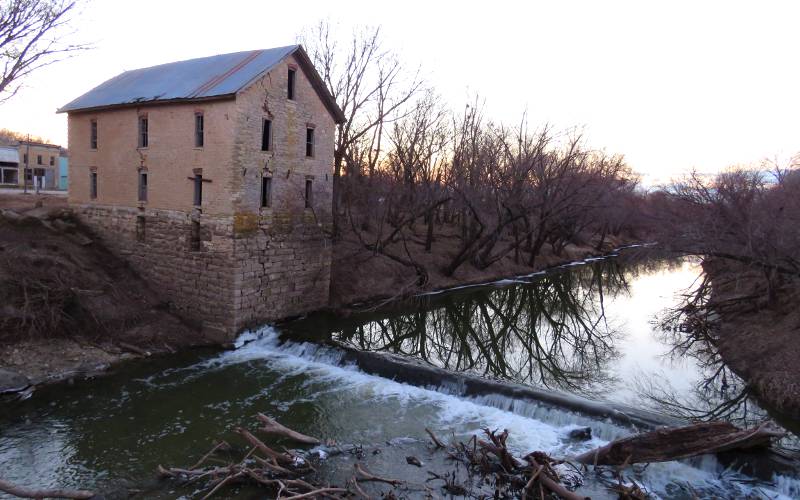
x,y
283,266
235,272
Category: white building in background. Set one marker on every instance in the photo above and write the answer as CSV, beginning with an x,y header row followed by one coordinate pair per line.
x,y
33,163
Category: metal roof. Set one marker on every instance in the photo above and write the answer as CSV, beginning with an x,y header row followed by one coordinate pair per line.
x,y
195,79
9,155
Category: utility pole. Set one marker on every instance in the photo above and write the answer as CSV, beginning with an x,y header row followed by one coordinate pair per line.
x,y
27,158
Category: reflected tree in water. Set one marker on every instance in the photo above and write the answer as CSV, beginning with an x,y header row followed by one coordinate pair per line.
x,y
691,328
549,331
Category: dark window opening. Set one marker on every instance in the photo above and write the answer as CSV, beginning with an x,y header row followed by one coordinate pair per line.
x,y
194,236
140,228
142,186
198,130
93,185
198,189
25,158
52,161
309,142
266,135
290,85
143,139
38,159
309,193
93,135
266,192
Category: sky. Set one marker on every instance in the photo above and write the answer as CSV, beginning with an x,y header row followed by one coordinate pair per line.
x,y
671,85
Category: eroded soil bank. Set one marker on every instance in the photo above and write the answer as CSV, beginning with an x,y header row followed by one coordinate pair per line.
x,y
70,307
759,336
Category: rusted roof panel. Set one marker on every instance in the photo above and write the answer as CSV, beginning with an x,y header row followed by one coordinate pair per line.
x,y
204,77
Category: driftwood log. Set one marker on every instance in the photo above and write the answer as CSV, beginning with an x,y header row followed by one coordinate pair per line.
x,y
271,426
21,492
675,443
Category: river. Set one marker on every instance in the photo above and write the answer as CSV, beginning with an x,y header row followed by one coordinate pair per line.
x,y
590,333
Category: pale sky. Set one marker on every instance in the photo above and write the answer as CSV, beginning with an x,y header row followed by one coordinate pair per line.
x,y
671,85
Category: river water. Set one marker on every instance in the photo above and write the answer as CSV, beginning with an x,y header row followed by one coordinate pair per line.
x,y
590,330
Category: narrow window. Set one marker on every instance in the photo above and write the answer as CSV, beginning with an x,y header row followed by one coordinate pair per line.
x,y
140,228
143,139
309,193
142,186
266,192
93,135
25,158
38,159
266,135
290,86
93,185
52,161
198,130
309,142
194,236
198,189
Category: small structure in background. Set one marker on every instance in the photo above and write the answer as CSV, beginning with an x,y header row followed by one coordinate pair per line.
x,y
213,176
30,164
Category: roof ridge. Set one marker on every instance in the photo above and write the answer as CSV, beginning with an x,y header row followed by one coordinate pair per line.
x,y
211,83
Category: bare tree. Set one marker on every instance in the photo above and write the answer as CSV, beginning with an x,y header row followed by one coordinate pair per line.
x,y
32,36
370,85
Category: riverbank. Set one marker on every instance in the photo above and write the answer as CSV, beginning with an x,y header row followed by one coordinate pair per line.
x,y
66,314
70,307
360,275
759,339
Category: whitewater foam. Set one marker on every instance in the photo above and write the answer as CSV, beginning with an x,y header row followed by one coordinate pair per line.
x,y
531,426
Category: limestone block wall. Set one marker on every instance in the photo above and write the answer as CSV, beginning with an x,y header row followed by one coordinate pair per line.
x,y
283,268
199,283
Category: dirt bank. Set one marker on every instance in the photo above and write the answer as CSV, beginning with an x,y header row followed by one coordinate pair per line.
x,y
760,339
361,275
69,306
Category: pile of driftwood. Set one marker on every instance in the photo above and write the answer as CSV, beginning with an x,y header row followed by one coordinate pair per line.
x,y
284,472
536,475
533,476
288,475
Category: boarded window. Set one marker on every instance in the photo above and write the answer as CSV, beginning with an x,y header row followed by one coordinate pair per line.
x,y
143,139
142,186
309,142
266,135
290,84
93,134
140,227
266,192
199,126
309,193
93,185
198,189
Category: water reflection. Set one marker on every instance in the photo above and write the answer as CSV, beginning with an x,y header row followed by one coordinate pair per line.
x,y
551,331
690,327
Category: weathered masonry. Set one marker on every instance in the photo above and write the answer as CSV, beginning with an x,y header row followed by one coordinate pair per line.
x,y
213,177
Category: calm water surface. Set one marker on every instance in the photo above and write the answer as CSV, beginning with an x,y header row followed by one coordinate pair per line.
x,y
590,330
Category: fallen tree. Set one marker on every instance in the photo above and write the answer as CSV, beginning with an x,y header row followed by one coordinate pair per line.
x,y
664,445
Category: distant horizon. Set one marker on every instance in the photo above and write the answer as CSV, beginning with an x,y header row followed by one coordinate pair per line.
x,y
671,86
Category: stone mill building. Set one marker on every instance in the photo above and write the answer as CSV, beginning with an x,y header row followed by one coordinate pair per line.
x,y
213,178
